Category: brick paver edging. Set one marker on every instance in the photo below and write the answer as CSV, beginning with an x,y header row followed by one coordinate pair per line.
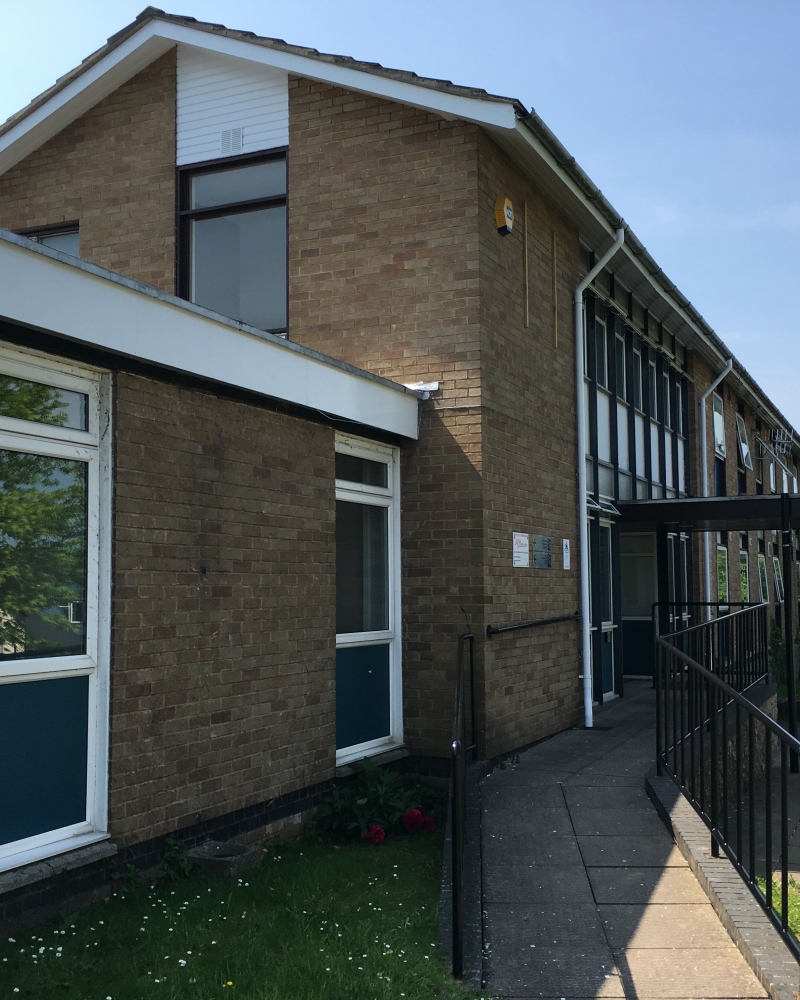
x,y
748,925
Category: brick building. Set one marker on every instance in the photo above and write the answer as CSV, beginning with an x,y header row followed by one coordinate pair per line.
x,y
318,406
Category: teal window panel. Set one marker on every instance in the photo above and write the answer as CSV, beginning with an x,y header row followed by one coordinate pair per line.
x,y
43,749
362,695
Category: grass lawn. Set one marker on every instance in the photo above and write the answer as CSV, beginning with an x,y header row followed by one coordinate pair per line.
x,y
794,901
355,922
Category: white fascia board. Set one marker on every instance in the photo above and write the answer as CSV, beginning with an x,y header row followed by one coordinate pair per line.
x,y
41,289
157,37
112,71
524,134
484,112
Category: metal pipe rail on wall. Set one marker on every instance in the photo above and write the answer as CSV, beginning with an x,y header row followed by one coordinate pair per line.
x,y
458,792
723,752
498,629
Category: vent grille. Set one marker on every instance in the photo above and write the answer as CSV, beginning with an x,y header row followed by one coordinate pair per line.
x,y
231,141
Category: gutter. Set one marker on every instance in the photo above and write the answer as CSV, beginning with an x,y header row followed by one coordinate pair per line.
x,y
704,477
583,527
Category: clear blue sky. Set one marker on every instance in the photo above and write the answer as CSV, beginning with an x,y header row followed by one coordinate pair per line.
x,y
685,112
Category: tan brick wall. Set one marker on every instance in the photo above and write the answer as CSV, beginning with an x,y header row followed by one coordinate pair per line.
x,y
113,171
531,685
223,607
383,273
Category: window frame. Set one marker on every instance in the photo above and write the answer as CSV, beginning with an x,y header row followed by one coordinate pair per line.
x,y
718,410
94,448
744,445
722,550
185,215
41,233
387,497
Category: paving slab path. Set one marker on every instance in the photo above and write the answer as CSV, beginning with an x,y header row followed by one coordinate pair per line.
x,y
584,892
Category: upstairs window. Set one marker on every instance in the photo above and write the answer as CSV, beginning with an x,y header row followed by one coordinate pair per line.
x,y
602,354
653,391
233,240
622,388
744,447
719,427
65,239
637,379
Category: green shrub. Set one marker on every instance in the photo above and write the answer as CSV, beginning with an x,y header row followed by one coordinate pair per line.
x,y
379,796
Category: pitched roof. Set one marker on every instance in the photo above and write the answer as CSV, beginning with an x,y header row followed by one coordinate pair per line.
x,y
278,44
522,133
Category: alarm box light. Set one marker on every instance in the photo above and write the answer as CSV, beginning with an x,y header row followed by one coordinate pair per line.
x,y
504,216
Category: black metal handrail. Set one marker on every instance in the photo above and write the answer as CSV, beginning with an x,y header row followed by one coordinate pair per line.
x,y
497,629
667,618
458,791
719,748
734,646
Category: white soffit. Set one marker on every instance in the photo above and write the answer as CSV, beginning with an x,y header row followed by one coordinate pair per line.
x,y
219,95
157,37
51,292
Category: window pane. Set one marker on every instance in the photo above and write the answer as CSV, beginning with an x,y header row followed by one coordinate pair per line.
x,y
602,356
722,575
63,242
43,747
362,695
744,577
637,380
361,470
42,556
362,567
228,187
239,266
605,574
620,358
43,403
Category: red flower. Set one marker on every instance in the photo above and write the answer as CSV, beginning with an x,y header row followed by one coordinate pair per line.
x,y
428,824
413,820
374,834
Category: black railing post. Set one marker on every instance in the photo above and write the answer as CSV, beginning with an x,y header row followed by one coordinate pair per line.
x,y
712,707
457,837
788,615
658,657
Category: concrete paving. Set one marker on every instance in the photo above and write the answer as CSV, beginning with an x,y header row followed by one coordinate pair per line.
x,y
584,892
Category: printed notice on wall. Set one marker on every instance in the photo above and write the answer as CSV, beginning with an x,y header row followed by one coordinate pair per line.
x,y
565,551
520,549
542,552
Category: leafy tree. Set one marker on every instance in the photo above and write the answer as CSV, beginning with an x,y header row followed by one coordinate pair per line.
x,y
42,531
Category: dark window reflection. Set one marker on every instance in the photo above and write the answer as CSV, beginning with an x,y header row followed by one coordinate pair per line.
x,y
44,404
43,541
361,470
362,571
239,266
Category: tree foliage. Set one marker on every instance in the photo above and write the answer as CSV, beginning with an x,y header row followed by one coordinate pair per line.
x,y
42,532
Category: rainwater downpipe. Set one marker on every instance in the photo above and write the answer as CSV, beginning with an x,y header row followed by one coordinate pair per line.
x,y
704,478
583,527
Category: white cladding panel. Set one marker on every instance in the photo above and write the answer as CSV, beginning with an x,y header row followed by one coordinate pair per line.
x,y
220,94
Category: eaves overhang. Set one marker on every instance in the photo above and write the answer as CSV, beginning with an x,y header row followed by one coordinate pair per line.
x,y
72,299
155,33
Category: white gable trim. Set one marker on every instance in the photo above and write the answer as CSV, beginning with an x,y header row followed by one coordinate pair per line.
x,y
68,297
157,37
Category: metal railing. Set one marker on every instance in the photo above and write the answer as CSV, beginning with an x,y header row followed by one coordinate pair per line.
x,y
499,629
733,763
735,646
458,790
675,616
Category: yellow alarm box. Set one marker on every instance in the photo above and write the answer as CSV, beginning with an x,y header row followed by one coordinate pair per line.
x,y
504,215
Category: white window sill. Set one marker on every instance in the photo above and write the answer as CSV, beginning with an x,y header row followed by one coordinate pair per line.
x,y
372,749
50,850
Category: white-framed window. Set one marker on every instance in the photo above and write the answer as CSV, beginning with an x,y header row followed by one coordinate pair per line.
x,y
722,574
763,586
744,575
619,358
637,379
55,500
744,447
776,570
719,427
601,354
653,391
369,692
